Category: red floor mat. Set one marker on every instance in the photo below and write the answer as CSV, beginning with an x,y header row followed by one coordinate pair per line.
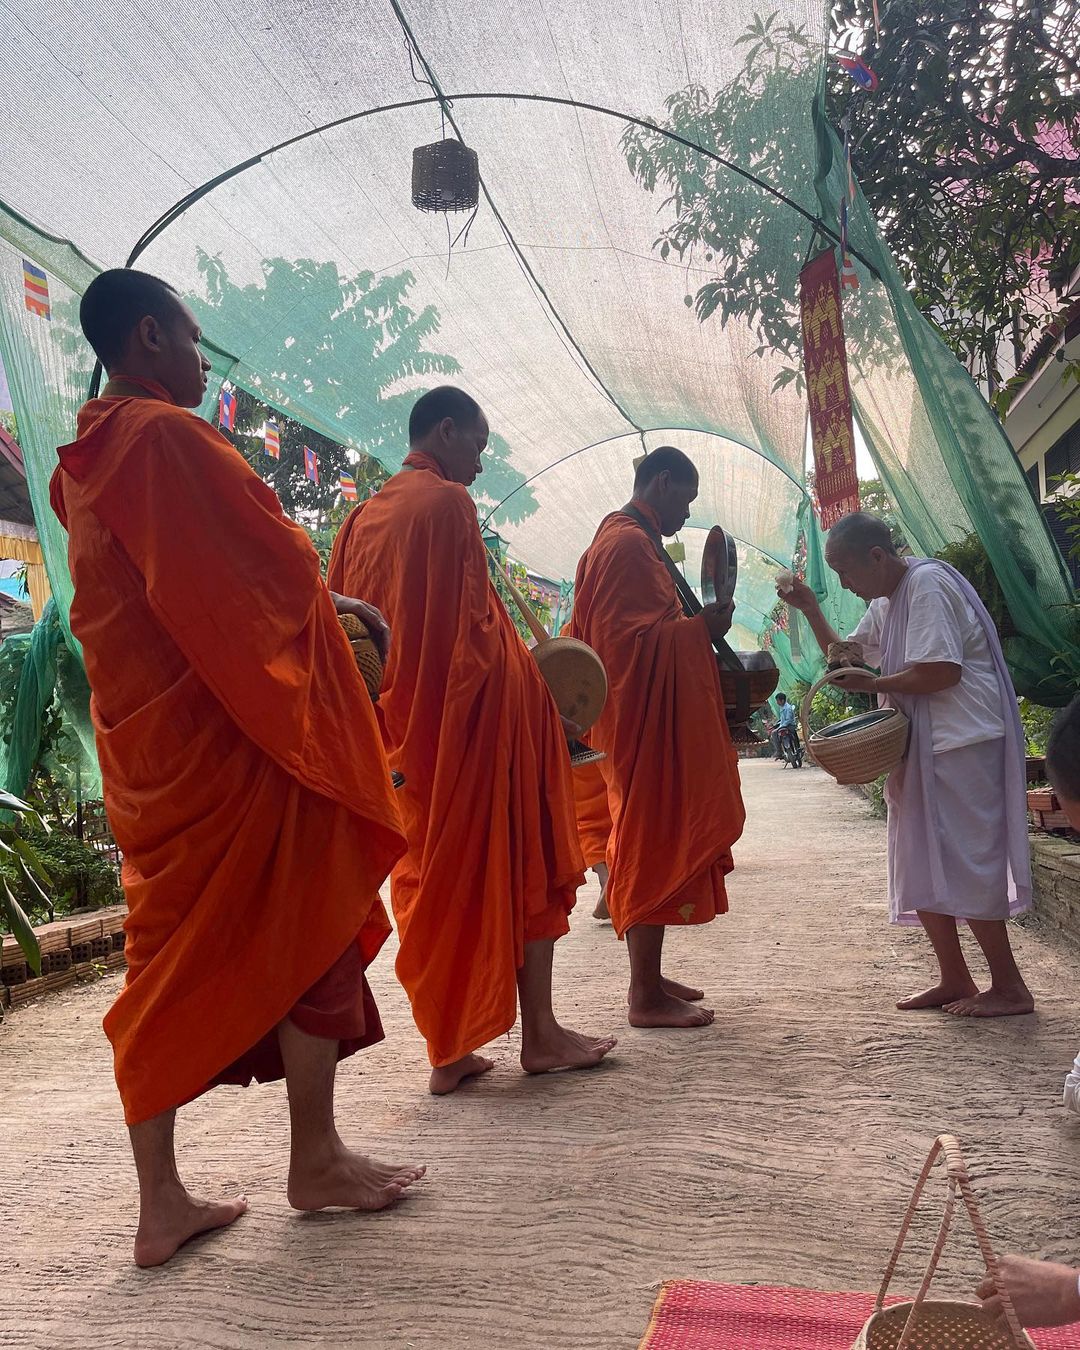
x,y
691,1315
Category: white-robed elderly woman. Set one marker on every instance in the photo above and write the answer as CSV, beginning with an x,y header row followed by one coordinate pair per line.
x,y
957,834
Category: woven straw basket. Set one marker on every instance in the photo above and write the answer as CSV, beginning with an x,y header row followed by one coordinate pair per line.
x,y
576,677
445,177
365,653
570,669
938,1324
871,745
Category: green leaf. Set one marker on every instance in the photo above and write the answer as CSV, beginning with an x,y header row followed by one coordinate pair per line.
x,y
32,882
31,859
21,928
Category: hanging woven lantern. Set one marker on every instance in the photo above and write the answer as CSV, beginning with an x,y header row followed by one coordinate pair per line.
x,y
445,177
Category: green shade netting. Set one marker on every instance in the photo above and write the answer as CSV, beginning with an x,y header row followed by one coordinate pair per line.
x,y
326,294
40,674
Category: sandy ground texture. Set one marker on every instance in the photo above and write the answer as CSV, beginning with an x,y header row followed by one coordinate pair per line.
x,y
777,1146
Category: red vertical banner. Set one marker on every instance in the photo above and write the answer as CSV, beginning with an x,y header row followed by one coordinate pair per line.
x,y
836,484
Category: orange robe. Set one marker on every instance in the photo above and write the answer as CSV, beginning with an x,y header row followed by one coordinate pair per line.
x,y
593,815
493,859
244,774
671,771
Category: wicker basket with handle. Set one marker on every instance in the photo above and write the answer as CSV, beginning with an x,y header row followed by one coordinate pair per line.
x,y
940,1324
858,749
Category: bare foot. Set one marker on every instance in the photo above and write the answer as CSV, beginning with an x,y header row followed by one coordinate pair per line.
x,y
667,1010
939,997
177,1220
447,1077
995,1003
686,992
601,910
674,989
347,1180
559,1048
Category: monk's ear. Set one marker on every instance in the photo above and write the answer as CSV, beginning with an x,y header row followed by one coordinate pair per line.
x,y
148,333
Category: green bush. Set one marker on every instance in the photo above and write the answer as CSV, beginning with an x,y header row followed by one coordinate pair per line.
x,y
832,704
1036,721
79,876
876,793
969,557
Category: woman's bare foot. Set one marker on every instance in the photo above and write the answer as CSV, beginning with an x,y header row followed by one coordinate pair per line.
x,y
347,1180
175,1219
558,1048
447,1077
939,997
662,1009
1014,1002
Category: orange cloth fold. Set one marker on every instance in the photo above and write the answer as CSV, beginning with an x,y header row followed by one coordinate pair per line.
x,y
671,770
493,859
339,1006
593,814
244,773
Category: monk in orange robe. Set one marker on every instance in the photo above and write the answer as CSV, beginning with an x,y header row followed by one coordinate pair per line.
x,y
243,770
493,862
671,770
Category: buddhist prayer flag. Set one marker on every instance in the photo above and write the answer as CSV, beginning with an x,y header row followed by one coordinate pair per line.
x,y
348,487
272,439
859,71
311,465
36,290
227,410
848,275
836,484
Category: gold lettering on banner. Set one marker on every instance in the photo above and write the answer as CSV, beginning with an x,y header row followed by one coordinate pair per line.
x,y
836,483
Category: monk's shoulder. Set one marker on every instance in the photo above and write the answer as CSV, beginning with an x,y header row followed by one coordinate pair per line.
x,y
155,430
620,537
439,508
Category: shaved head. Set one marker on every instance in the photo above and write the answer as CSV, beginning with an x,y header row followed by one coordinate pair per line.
x,y
856,534
114,305
445,401
665,459
666,481
860,550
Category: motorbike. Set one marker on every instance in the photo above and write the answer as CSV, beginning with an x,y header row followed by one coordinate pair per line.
x,y
791,750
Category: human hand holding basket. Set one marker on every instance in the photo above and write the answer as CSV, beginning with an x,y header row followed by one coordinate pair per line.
x,y
941,1324
857,749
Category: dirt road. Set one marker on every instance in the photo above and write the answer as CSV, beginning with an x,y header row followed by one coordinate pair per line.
x,y
777,1146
